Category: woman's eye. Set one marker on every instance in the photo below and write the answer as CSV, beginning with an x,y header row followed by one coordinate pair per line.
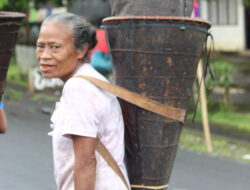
x,y
38,46
55,47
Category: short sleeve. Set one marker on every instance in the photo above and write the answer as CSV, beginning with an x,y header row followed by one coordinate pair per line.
x,y
80,116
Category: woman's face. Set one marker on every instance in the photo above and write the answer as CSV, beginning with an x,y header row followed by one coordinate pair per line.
x,y
57,56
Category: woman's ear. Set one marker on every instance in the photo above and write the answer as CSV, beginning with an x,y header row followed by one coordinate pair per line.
x,y
83,51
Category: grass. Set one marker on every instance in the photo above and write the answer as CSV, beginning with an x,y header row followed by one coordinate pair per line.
x,y
13,95
44,97
239,120
222,147
229,119
14,75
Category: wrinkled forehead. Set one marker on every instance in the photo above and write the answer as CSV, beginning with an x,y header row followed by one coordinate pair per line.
x,y
57,31
57,26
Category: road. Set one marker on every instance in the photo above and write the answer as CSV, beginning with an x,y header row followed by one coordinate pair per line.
x,y
26,159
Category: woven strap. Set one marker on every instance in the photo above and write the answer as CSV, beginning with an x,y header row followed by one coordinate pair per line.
x,y
101,149
139,100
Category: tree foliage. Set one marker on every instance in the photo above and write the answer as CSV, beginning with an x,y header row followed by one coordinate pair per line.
x,y
50,2
3,3
13,5
23,5
246,3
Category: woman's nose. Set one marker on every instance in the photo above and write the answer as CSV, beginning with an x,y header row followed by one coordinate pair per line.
x,y
45,54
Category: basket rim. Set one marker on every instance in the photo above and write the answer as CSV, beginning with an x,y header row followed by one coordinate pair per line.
x,y
162,18
9,14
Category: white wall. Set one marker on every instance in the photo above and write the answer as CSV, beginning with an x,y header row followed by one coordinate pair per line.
x,y
228,37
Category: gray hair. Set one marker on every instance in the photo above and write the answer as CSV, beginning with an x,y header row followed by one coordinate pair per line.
x,y
83,32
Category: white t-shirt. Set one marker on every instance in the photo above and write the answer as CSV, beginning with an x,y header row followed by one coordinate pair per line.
x,y
87,110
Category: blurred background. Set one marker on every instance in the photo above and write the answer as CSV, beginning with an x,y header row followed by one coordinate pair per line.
x,y
228,100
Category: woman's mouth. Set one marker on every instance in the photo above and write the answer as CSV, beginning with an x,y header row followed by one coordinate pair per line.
x,y
45,68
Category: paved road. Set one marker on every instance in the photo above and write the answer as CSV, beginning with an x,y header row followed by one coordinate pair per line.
x,y
194,171
26,159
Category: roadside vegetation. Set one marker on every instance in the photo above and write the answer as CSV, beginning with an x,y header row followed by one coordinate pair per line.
x,y
223,112
222,147
14,74
227,118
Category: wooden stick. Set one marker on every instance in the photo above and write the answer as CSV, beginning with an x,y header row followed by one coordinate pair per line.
x,y
203,101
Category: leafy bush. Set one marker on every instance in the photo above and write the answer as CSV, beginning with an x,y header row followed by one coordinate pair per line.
x,y
224,79
14,75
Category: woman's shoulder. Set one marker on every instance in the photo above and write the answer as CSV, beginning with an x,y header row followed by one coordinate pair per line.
x,y
88,70
75,84
83,86
80,85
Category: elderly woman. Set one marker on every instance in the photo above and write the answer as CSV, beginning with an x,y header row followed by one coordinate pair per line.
x,y
84,113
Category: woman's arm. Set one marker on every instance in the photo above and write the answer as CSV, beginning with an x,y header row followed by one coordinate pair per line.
x,y
3,121
85,162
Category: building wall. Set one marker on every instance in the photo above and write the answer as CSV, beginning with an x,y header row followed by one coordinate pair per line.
x,y
229,38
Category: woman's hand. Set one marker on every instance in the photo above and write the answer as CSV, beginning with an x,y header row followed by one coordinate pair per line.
x,y
85,162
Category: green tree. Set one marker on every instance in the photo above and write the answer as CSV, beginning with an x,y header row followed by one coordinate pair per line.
x,y
14,5
246,3
225,80
3,3
23,5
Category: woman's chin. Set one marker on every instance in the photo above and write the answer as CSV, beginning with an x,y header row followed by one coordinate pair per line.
x,y
48,75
